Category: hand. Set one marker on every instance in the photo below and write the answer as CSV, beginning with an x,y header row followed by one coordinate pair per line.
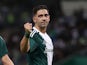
x,y
28,27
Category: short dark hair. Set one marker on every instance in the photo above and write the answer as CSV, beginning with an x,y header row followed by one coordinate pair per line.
x,y
36,8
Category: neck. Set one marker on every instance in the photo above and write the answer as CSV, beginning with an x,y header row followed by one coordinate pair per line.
x,y
43,29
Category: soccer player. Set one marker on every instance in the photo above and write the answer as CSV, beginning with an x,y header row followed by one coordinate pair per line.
x,y
4,53
36,42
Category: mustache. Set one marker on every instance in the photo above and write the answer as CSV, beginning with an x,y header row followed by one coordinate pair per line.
x,y
44,20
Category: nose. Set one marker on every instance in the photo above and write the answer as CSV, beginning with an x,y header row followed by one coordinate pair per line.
x,y
44,18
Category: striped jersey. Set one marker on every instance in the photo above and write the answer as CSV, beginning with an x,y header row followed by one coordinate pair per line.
x,y
41,48
3,48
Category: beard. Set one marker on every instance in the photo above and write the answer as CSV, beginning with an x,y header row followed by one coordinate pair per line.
x,y
43,25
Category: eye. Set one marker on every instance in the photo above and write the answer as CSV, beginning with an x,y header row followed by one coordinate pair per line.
x,y
43,15
40,15
46,15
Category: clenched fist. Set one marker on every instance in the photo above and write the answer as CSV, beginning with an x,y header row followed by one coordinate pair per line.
x,y
28,27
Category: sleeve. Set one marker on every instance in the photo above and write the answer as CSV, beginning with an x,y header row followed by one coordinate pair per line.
x,y
3,48
36,36
35,41
33,45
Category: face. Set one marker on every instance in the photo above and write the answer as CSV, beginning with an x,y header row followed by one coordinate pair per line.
x,y
42,18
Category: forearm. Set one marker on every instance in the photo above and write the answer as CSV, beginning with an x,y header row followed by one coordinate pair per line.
x,y
24,45
6,60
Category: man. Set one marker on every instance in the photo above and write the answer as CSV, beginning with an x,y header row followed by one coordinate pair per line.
x,y
36,42
4,53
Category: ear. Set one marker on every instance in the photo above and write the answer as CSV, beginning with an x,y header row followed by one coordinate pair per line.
x,y
34,19
49,17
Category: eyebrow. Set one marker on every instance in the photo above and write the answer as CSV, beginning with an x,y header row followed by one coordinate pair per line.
x,y
43,15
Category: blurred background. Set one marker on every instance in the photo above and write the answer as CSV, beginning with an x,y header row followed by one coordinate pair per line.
x,y
67,28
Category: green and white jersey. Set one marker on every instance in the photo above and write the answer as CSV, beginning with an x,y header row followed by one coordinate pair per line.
x,y
3,48
41,49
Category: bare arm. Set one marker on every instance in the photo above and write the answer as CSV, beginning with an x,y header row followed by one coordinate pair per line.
x,y
25,44
6,60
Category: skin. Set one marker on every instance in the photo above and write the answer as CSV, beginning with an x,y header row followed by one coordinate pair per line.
x,y
41,20
6,60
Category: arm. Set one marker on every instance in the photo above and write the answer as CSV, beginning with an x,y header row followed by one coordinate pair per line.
x,y
25,43
4,53
6,60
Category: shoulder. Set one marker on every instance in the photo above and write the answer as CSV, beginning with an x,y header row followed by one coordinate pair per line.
x,y
1,39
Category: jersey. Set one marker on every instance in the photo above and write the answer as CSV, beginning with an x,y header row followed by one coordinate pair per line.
x,y
38,53
3,48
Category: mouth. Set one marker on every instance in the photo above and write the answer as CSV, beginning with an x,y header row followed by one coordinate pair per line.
x,y
43,23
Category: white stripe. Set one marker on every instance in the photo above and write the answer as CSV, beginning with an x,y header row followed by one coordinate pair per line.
x,y
32,33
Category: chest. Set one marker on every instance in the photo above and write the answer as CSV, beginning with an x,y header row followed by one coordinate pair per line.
x,y
48,41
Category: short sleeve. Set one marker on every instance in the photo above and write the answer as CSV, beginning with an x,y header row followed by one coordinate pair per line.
x,y
3,48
